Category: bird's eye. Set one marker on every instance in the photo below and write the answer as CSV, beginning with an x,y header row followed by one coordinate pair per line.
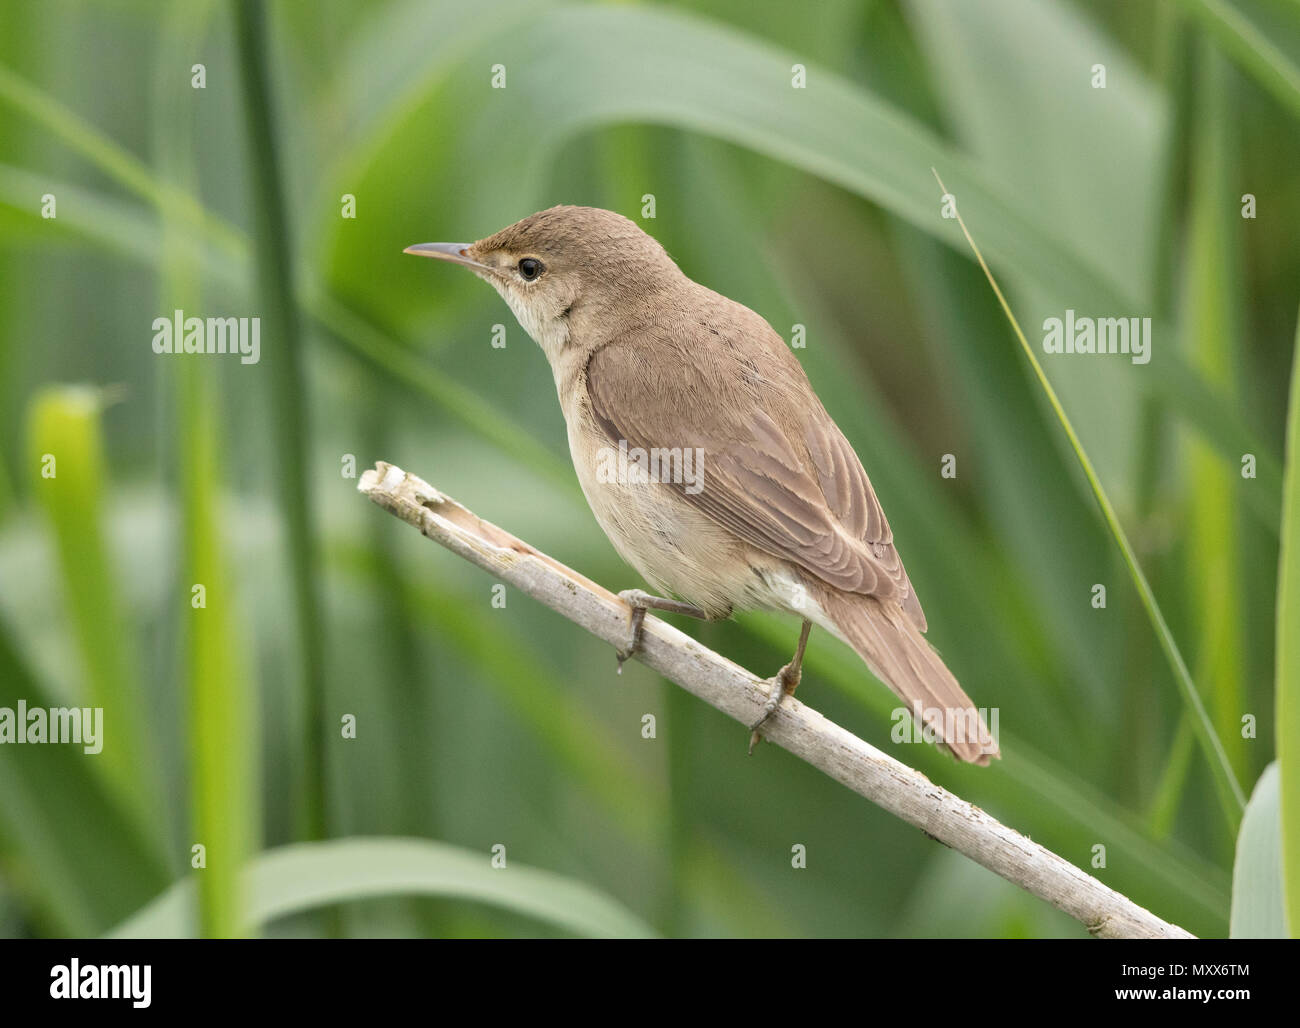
x,y
530,268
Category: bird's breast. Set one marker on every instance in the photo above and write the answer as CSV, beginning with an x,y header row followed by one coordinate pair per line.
x,y
674,546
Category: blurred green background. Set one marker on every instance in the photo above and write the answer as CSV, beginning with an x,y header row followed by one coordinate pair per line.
x,y
479,726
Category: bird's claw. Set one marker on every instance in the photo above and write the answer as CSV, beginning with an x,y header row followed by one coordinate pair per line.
x,y
780,685
632,598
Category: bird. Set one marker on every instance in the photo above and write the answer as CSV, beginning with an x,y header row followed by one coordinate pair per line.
x,y
709,461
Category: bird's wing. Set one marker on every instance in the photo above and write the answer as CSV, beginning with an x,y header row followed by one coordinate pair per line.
x,y
774,468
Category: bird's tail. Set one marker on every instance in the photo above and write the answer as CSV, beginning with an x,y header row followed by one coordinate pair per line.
x,y
889,641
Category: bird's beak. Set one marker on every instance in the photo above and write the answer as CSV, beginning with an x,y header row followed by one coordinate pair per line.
x,y
454,252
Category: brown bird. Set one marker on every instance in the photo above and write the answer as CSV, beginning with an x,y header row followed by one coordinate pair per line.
x,y
707,458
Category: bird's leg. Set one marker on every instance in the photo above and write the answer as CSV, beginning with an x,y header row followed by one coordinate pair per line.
x,y
640,602
783,684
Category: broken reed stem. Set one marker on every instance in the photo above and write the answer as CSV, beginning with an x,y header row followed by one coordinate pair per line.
x,y
888,783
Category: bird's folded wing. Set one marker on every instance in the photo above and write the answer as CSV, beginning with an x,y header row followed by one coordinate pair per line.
x,y
773,467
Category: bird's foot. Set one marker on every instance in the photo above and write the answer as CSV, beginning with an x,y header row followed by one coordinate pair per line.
x,y
781,685
634,598
640,601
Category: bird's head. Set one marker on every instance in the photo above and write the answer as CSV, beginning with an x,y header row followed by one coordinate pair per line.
x,y
571,275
